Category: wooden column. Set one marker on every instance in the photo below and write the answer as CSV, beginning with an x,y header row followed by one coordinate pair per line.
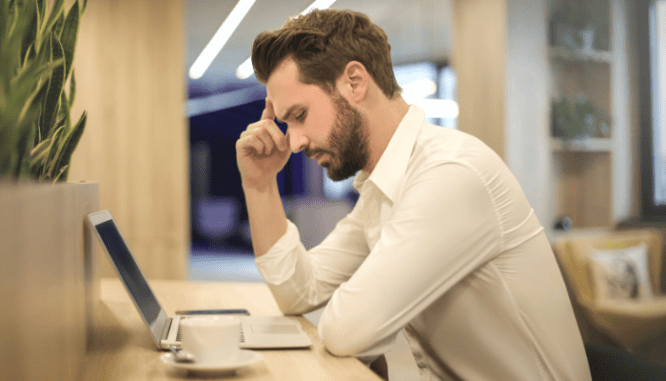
x,y
478,58
131,81
501,59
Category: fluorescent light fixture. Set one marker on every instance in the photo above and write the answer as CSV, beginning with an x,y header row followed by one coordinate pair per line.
x,y
220,38
245,70
438,108
318,4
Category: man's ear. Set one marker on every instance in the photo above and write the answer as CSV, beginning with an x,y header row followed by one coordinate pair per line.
x,y
355,80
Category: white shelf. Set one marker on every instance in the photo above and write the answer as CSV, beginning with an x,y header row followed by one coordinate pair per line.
x,y
558,52
582,145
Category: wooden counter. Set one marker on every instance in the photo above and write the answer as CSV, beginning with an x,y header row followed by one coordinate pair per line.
x,y
122,349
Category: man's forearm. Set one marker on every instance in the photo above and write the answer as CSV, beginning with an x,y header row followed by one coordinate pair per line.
x,y
268,221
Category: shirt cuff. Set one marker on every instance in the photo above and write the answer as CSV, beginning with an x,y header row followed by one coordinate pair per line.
x,y
278,264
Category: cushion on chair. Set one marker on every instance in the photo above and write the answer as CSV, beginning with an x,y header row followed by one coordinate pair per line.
x,y
621,274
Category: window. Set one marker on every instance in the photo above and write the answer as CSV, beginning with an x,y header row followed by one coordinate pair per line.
x,y
651,36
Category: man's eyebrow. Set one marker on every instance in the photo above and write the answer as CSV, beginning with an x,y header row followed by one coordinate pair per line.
x,y
288,113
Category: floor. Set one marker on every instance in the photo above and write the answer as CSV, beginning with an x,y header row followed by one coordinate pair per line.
x,y
240,267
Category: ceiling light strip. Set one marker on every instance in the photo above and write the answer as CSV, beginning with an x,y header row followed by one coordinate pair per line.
x,y
220,38
318,4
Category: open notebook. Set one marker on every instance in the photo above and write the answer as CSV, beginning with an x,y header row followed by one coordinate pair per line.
x,y
257,332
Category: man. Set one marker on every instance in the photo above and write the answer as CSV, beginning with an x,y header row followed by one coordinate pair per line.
x,y
442,242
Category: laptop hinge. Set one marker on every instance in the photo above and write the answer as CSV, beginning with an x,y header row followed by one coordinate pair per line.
x,y
167,327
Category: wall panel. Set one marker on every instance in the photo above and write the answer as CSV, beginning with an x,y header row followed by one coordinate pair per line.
x,y
479,61
130,79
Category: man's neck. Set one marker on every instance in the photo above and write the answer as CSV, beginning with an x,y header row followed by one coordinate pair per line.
x,y
384,116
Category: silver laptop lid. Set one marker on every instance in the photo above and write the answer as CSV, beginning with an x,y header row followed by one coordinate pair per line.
x,y
135,282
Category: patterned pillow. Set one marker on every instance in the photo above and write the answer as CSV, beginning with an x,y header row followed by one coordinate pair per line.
x,y
621,273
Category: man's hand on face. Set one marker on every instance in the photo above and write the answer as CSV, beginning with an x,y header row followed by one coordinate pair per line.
x,y
262,150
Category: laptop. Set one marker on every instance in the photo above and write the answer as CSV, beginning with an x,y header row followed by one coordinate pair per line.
x,y
257,332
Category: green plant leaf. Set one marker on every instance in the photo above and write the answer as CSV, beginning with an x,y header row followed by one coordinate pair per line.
x,y
40,149
28,35
41,7
72,89
33,73
55,147
14,35
40,13
14,18
70,143
56,12
28,53
56,84
24,146
44,152
63,113
35,102
32,61
57,27
16,143
70,32
30,92
62,174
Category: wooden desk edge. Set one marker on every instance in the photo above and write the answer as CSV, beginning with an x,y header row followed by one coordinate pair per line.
x,y
121,339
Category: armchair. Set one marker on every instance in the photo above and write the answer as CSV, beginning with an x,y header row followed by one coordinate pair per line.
x,y
627,319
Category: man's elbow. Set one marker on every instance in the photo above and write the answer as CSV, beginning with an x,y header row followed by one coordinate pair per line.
x,y
292,306
341,339
292,309
336,345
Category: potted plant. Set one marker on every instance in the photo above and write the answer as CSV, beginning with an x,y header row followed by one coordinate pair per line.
x,y
572,26
47,258
578,118
565,122
37,134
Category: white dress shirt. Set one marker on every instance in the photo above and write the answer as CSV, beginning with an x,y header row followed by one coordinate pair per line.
x,y
443,245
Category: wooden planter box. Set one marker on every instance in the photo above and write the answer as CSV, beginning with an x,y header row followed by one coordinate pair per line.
x,y
49,279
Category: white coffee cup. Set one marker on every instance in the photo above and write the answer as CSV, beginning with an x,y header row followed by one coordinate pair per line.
x,y
211,339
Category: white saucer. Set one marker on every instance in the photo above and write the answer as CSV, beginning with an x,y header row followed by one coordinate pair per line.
x,y
245,358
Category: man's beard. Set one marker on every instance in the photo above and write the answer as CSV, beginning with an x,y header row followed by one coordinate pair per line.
x,y
348,142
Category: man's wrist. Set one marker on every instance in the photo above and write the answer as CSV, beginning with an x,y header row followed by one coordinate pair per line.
x,y
258,186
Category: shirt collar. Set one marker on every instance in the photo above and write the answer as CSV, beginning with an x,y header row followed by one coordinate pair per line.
x,y
393,163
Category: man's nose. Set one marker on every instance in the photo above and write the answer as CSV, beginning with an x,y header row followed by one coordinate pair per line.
x,y
297,141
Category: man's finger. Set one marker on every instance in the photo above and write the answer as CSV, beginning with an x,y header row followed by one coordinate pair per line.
x,y
268,113
251,143
267,141
278,137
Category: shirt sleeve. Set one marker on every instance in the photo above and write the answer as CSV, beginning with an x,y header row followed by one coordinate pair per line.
x,y
443,227
301,280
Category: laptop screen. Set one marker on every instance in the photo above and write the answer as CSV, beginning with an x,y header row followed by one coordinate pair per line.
x,y
129,270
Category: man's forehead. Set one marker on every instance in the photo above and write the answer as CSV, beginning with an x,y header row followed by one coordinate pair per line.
x,y
285,90
284,86
286,74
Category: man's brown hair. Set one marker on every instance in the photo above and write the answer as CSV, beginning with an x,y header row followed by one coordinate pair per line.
x,y
322,43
